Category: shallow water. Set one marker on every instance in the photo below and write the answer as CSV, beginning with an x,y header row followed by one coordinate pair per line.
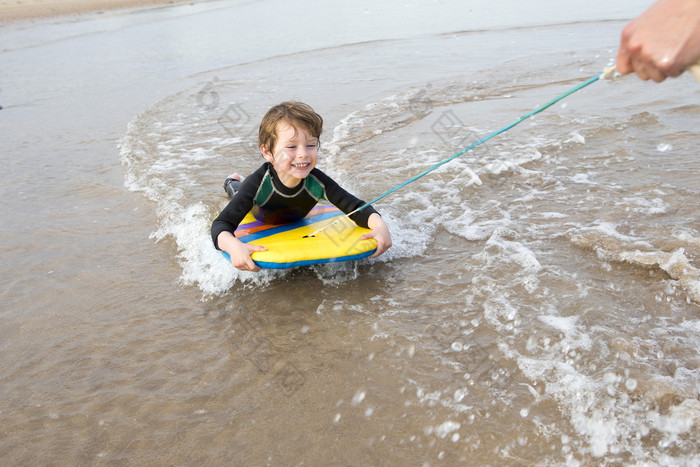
x,y
539,305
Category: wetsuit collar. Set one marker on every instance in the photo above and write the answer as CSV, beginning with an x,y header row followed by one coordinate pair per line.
x,y
281,187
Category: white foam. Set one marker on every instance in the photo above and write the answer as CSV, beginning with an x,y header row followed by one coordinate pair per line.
x,y
512,160
201,263
574,338
513,250
692,325
576,137
582,179
444,429
676,264
681,419
644,206
359,396
465,225
553,215
609,228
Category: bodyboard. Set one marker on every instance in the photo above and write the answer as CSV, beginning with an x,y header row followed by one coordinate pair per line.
x,y
289,246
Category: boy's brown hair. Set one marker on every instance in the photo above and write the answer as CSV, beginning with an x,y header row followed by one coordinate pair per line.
x,y
297,114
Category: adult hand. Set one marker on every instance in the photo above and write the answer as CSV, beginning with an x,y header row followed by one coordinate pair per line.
x,y
661,42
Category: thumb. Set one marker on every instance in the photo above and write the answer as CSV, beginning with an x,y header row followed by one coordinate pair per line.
x,y
253,248
369,234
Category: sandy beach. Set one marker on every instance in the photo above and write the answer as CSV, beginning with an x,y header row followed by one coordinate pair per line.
x,y
14,10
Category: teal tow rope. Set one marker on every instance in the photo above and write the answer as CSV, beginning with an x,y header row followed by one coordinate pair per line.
x,y
472,146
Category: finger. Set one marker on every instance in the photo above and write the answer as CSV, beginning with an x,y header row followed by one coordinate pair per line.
x,y
641,69
623,65
647,70
252,267
246,265
655,74
381,248
370,235
653,71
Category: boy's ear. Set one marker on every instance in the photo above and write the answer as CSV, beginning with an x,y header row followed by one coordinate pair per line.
x,y
267,154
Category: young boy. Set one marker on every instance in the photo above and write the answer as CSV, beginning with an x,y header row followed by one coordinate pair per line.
x,y
286,187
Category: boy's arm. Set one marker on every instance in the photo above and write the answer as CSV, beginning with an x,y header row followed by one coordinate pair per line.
x,y
238,207
225,224
345,201
368,217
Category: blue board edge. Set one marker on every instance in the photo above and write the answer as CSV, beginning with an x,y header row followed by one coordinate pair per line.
x,y
308,262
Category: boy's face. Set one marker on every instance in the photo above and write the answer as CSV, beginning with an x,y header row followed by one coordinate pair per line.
x,y
295,154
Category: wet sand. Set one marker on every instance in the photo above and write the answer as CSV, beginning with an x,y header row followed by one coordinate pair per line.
x,y
15,10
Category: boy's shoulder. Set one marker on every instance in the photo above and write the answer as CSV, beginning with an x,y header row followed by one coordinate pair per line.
x,y
253,181
319,174
259,173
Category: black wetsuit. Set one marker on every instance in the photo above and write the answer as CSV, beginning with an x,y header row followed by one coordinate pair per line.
x,y
273,203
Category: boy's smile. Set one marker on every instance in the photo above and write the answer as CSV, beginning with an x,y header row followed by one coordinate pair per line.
x,y
295,154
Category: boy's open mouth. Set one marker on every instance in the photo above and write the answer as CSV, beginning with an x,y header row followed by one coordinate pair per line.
x,y
301,165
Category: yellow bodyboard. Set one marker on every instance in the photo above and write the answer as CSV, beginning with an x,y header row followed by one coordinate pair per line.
x,y
289,245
